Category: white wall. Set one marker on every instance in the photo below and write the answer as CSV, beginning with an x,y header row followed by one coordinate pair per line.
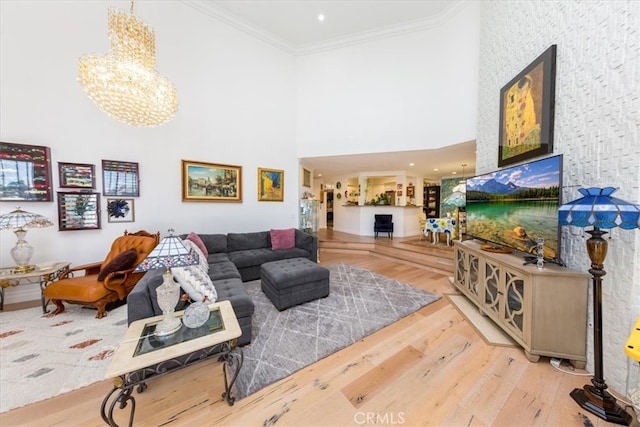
x,y
597,129
237,107
407,92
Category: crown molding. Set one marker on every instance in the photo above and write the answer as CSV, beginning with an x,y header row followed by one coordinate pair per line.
x,y
240,24
383,32
339,42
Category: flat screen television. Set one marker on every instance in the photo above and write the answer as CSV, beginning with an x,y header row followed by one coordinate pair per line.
x,y
515,206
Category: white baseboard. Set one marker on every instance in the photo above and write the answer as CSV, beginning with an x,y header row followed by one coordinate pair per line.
x,y
22,293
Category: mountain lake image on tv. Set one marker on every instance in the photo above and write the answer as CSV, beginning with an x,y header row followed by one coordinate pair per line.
x,y
516,206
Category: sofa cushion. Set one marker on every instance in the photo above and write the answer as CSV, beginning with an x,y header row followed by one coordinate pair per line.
x,y
235,291
223,270
219,257
215,243
245,241
291,253
122,261
199,243
252,257
283,239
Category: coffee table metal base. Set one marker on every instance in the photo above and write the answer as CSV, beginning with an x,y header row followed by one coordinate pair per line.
x,y
122,393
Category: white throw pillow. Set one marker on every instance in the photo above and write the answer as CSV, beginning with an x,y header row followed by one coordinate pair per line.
x,y
196,283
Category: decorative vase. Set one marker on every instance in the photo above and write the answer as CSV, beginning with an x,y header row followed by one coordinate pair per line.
x,y
196,315
168,296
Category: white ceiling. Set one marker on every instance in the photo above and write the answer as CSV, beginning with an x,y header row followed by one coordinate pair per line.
x,y
293,25
296,23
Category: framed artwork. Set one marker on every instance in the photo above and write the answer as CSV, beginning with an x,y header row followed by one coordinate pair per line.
x,y
209,182
120,210
306,178
78,211
25,173
120,178
270,185
527,111
411,191
77,175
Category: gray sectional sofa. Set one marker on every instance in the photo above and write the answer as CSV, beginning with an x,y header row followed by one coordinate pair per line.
x,y
233,258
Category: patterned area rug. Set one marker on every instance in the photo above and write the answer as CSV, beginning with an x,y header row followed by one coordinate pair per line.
x,y
360,302
43,356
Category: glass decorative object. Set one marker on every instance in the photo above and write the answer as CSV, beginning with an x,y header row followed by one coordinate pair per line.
x,y
196,315
168,296
540,248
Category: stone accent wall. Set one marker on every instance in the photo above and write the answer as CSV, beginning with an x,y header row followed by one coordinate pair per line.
x,y
597,129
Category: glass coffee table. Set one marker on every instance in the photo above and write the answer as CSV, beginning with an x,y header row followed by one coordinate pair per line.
x,y
142,355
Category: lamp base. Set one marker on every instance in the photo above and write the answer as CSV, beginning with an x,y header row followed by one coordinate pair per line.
x,y
23,269
601,404
168,326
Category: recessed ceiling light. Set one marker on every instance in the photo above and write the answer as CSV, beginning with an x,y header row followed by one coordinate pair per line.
x,y
454,173
412,164
436,169
319,174
321,17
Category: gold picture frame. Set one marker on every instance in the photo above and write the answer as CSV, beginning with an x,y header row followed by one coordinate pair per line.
x,y
270,185
211,182
306,177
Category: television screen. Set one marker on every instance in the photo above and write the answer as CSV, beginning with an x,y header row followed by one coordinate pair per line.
x,y
515,206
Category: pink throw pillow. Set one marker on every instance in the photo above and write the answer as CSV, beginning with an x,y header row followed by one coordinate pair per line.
x,y
199,243
283,239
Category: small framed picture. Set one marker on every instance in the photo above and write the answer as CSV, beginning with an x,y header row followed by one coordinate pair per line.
x,y
78,211
120,178
77,175
120,210
306,178
270,185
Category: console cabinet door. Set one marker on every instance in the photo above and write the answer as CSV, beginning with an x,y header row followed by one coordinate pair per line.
x,y
513,308
492,288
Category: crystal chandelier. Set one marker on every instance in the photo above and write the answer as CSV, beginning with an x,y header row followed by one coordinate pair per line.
x,y
124,83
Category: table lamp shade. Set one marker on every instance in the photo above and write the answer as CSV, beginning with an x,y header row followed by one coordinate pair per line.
x,y
598,208
170,252
22,219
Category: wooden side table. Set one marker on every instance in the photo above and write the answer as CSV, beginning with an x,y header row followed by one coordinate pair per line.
x,y
43,274
143,356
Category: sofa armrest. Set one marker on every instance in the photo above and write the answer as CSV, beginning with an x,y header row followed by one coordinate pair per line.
x,y
308,243
93,268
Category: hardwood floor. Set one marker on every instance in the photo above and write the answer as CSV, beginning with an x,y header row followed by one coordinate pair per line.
x,y
427,369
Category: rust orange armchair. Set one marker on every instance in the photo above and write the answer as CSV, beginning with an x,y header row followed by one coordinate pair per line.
x,y
107,281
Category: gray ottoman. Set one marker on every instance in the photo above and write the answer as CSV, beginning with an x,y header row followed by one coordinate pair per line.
x,y
289,282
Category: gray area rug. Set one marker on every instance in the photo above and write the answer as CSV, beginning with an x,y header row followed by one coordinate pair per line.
x,y
359,303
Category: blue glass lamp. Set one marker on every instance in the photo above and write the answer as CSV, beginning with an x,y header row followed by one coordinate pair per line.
x,y
170,252
597,208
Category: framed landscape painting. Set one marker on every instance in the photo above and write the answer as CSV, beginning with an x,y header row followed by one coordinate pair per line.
x,y
527,111
25,173
210,182
270,185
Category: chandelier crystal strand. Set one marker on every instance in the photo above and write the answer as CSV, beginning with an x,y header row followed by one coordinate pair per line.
x,y
124,83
